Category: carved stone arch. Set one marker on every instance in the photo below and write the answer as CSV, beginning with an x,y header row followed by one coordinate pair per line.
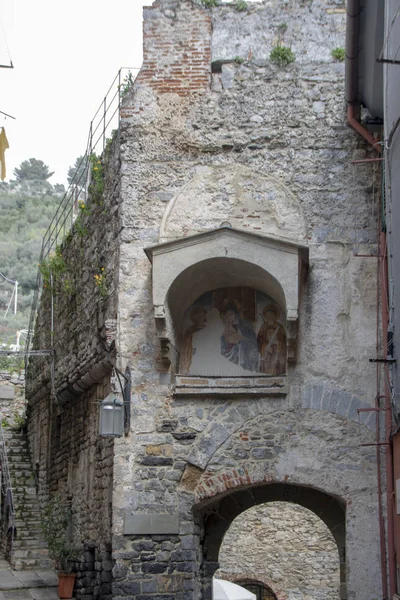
x,y
231,470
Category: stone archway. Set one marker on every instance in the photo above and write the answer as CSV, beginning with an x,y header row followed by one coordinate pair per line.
x,y
215,518
284,550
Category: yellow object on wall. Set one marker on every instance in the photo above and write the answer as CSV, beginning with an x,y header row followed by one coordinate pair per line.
x,y
3,147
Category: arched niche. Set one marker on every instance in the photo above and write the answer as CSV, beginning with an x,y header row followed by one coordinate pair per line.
x,y
213,273
187,268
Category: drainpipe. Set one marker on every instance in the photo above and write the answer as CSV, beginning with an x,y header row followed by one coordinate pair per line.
x,y
388,421
351,83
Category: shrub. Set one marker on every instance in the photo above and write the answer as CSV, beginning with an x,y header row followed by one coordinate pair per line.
x,y
282,56
57,523
241,5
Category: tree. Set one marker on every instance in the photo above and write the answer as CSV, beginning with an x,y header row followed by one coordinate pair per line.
x,y
32,170
78,172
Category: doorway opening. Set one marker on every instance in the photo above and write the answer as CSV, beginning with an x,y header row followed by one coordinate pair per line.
x,y
308,507
281,550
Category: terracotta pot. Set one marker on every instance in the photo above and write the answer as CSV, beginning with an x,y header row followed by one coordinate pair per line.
x,y
66,583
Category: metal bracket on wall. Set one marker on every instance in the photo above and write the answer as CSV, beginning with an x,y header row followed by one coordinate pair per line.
x,y
382,360
127,400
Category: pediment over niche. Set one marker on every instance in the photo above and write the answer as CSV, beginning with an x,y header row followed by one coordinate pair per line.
x,y
188,270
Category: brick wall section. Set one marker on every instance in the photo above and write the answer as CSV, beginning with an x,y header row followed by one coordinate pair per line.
x,y
176,49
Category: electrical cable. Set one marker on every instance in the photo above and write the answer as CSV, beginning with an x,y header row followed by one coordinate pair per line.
x,y
10,66
389,32
6,278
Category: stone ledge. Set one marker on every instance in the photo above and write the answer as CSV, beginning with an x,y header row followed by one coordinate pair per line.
x,y
200,385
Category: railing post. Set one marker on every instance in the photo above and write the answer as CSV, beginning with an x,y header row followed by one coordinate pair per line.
x,y
119,98
6,484
104,121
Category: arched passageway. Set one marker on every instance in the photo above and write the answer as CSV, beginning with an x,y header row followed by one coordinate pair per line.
x,y
282,550
216,517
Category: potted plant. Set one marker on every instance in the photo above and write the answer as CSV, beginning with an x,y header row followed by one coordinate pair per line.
x,y
57,526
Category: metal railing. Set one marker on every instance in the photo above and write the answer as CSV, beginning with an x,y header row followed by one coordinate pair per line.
x,y
105,121
7,498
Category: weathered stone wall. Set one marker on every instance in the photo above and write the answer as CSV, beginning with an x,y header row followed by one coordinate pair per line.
x,y
260,140
267,149
286,547
68,455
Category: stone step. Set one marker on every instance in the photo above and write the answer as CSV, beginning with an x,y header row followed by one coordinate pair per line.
x,y
36,554
29,534
30,523
30,543
29,549
27,511
49,593
30,564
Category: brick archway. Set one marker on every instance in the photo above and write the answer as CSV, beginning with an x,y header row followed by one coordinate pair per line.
x,y
216,516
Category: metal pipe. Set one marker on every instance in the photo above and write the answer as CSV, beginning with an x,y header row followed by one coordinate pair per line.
x,y
352,38
382,536
388,426
366,160
351,117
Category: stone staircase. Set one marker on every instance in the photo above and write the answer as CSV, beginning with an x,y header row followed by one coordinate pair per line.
x,y
29,550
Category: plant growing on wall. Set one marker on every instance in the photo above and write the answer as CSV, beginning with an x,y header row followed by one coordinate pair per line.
x,y
52,267
57,525
241,5
338,54
126,85
20,422
80,229
68,287
282,56
282,28
83,208
209,3
100,283
96,186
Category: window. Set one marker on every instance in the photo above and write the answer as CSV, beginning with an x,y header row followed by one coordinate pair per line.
x,y
261,591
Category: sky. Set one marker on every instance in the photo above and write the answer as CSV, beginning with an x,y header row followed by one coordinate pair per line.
x,y
65,57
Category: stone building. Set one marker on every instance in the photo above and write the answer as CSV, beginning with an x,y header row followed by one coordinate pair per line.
x,y
229,264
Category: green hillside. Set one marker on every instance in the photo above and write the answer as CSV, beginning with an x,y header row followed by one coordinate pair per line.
x,y
27,206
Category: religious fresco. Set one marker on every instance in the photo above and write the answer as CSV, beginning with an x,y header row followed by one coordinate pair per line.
x,y
234,331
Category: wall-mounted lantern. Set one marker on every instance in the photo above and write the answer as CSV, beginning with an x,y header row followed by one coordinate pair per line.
x,y
111,416
114,410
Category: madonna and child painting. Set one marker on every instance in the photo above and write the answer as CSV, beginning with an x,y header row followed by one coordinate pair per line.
x,y
233,332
